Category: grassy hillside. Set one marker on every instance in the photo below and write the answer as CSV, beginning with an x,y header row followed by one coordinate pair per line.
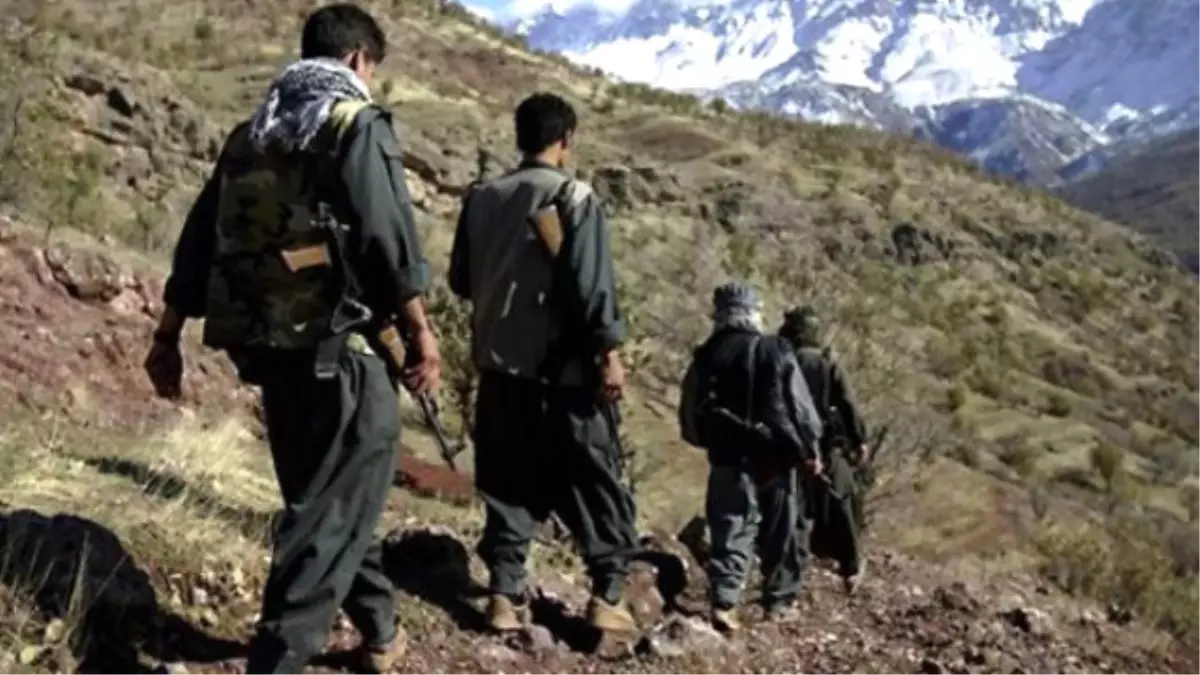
x,y
1154,190
1035,366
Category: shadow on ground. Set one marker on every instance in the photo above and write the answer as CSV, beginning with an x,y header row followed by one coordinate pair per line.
x,y
434,566
75,569
253,524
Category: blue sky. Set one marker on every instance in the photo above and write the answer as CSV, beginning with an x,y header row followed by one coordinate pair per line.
x,y
510,9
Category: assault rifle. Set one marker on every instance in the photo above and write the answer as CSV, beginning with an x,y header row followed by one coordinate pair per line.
x,y
395,350
350,314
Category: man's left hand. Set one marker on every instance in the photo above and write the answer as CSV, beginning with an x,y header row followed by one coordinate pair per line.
x,y
425,376
164,365
612,376
862,456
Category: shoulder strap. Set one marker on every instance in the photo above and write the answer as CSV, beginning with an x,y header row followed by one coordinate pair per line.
x,y
827,374
752,363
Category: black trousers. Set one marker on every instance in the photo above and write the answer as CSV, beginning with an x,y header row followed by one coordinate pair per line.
x,y
542,449
831,507
333,443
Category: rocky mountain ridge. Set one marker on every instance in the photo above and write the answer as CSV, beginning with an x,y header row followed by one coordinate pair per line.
x,y
1109,68
1003,337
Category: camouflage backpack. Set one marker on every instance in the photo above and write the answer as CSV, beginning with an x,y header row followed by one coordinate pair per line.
x,y
275,282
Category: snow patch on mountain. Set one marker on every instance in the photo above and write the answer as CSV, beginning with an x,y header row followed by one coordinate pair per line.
x,y
1140,55
1017,135
1017,84
919,52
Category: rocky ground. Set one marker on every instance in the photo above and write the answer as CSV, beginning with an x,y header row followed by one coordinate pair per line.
x,y
79,314
998,334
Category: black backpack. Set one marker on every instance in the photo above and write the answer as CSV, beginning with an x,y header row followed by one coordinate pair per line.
x,y
720,420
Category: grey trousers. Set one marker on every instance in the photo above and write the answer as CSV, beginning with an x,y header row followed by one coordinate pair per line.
x,y
334,448
748,518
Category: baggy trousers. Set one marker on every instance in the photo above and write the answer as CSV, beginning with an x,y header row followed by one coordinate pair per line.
x,y
333,443
745,517
543,449
835,526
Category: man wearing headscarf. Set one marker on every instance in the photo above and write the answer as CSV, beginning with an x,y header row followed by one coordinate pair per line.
x,y
746,403
317,164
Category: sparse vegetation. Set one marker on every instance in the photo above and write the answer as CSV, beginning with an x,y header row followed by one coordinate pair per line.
x,y
1108,461
991,325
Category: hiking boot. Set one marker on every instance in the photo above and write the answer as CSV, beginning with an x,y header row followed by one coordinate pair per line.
x,y
725,620
610,618
850,583
782,612
504,615
382,658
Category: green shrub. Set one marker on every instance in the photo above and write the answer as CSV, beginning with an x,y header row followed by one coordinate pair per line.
x,y
1108,461
1058,405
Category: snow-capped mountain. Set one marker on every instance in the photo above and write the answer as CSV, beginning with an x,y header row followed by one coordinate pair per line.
x,y
997,79
1020,136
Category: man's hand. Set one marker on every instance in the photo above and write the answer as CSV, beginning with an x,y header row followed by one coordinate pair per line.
x,y
164,365
862,456
612,376
814,466
424,376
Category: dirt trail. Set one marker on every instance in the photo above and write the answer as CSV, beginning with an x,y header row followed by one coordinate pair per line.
x,y
76,327
906,617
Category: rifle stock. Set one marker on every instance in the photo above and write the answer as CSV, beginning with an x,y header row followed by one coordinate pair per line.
x,y
548,226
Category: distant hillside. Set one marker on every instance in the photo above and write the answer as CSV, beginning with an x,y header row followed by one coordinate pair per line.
x,y
1027,369
1153,190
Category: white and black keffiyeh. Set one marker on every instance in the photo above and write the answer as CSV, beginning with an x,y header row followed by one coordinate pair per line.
x,y
299,101
737,305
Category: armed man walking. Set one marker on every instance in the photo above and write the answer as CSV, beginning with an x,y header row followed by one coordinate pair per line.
x,y
746,403
532,254
300,251
843,446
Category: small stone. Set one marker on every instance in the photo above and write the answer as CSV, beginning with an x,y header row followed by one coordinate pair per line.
x,y
55,630
974,656
209,618
199,596
533,639
931,666
86,84
680,635
122,102
1030,620
30,654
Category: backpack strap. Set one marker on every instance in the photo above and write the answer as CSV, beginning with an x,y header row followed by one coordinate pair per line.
x,y
751,367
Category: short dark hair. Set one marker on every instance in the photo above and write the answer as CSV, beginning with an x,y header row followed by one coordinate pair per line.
x,y
336,31
542,120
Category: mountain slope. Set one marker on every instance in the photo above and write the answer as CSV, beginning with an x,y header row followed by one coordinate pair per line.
x,y
1018,136
1153,189
1126,57
1008,344
1124,66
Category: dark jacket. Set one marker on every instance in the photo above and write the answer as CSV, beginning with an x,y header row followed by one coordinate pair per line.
x,y
831,392
528,312
372,193
781,399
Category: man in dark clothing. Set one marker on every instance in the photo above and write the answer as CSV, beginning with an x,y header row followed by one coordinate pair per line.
x,y
745,401
545,336
844,446
300,244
